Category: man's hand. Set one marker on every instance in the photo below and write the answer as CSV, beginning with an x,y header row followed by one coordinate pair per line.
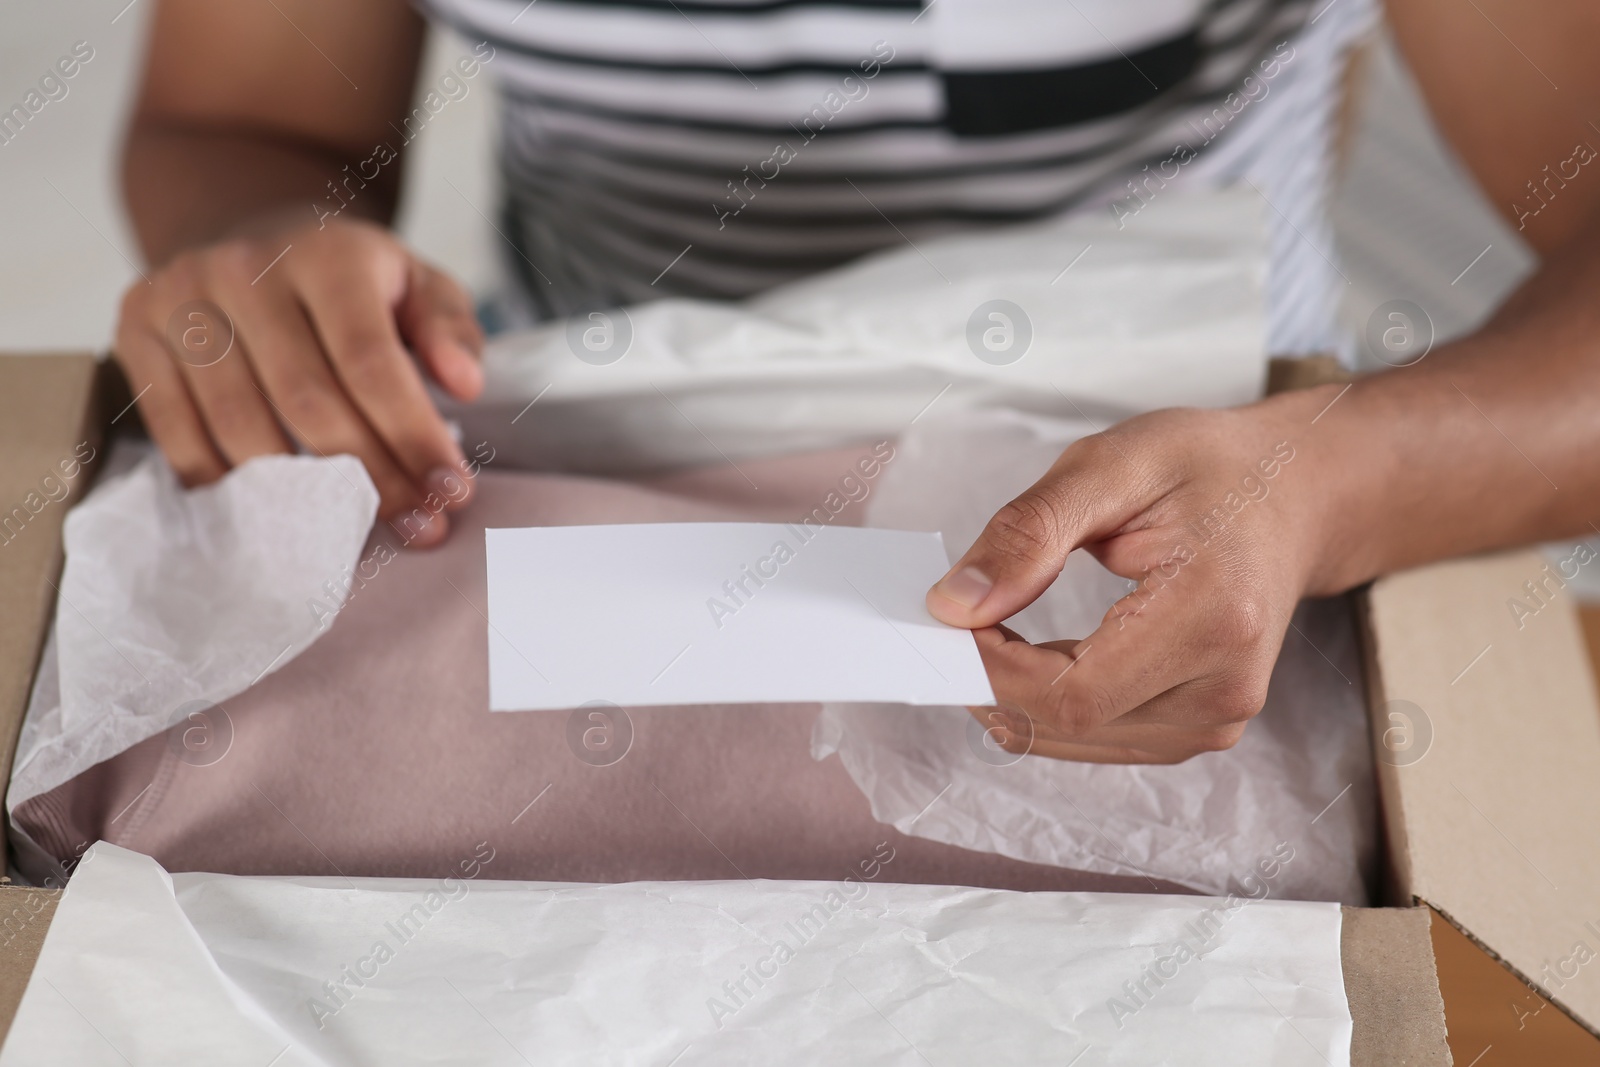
x,y
315,347
1210,513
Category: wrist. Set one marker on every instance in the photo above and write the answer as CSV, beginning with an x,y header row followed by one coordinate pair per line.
x,y
1331,486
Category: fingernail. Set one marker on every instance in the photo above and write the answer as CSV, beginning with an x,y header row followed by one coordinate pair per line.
x,y
421,529
450,485
967,587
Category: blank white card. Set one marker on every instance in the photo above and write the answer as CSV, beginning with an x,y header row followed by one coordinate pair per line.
x,y
721,613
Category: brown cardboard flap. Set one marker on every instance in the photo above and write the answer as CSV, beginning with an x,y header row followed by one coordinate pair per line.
x,y
25,916
48,423
1393,990
1493,806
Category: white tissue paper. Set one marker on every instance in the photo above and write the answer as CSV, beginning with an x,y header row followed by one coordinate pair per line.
x,y
144,967
1301,777
175,599
1114,321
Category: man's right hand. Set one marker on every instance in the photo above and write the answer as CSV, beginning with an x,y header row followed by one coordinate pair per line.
x,y
324,323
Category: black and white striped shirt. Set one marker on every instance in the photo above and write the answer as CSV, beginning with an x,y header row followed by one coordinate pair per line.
x,y
715,148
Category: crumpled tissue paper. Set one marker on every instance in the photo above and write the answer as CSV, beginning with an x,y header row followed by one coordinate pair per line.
x,y
173,600
140,966
1073,310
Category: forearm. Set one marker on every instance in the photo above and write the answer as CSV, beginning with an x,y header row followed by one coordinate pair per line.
x,y
1488,442
186,185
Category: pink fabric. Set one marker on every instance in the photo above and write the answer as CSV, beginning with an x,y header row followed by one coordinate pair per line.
x,y
374,753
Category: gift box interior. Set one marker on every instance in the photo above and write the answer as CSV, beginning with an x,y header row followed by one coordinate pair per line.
x,y
1486,734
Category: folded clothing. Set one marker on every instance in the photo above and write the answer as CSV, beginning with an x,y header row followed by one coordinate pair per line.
x,y
372,752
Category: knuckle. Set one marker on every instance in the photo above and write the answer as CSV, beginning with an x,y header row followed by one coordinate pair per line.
x,y
1218,738
229,409
1026,528
367,245
1094,450
1062,716
1076,711
363,359
233,261
304,401
132,307
1238,622
1240,703
130,351
360,231
183,275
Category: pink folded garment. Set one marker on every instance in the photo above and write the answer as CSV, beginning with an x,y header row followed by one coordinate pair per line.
x,y
373,753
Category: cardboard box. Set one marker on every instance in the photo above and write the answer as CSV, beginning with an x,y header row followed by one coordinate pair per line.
x,y
1491,825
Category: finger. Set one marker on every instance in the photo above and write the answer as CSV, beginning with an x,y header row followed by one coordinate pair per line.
x,y
352,312
234,411
437,320
1078,752
302,391
1222,645
1086,495
1115,743
169,413
1019,735
1046,682
1094,754
1078,686
1191,661
1202,702
1084,753
1151,737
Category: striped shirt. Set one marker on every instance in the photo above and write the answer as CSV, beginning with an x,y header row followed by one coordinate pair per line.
x,y
715,148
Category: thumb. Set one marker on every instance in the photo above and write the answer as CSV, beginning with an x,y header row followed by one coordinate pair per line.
x,y
1022,549
436,318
